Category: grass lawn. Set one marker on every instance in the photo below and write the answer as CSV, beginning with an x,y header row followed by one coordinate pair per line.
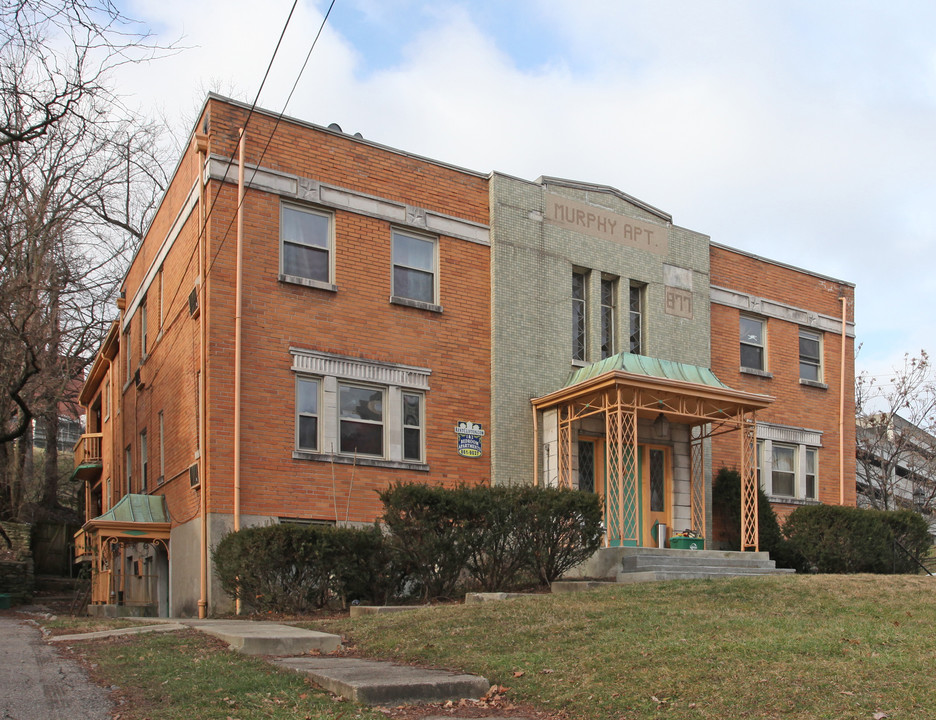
x,y
784,647
839,647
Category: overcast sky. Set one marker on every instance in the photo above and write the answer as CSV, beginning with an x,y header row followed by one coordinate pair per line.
x,y
803,131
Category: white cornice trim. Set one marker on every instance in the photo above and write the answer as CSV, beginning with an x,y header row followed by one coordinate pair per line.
x,y
323,364
771,308
309,190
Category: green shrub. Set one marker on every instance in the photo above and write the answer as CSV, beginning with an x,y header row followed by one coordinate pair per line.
x,y
275,567
564,529
293,568
726,502
837,539
497,541
427,535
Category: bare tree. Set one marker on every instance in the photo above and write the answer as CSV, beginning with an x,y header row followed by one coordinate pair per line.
x,y
80,177
896,437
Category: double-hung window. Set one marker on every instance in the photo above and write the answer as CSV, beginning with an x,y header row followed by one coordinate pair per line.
x,y
578,315
783,475
412,426
414,268
361,420
753,343
810,356
306,245
608,316
307,414
144,462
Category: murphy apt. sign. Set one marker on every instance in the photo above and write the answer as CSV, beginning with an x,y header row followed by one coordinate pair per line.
x,y
601,223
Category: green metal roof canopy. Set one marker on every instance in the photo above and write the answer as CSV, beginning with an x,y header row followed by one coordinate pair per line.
x,y
137,509
651,367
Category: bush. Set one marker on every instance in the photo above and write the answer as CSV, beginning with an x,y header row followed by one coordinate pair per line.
x,y
837,539
564,529
427,535
726,501
293,568
497,534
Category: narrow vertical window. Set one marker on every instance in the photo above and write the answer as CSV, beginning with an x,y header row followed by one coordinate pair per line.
x,y
128,469
752,343
307,414
162,309
107,401
578,316
128,355
162,449
636,345
144,462
143,330
608,320
412,427
810,356
812,459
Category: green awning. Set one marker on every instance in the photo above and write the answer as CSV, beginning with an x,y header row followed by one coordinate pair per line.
x,y
651,367
138,508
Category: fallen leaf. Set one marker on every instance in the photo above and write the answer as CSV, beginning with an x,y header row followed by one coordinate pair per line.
x,y
880,716
519,673
846,692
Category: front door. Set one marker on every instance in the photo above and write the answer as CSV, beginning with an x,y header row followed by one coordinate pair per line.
x,y
656,492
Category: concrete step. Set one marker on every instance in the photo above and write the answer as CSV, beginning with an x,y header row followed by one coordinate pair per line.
x,y
373,682
266,638
700,573
643,562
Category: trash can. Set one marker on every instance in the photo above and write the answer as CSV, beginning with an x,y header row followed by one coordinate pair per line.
x,y
687,543
659,534
5,601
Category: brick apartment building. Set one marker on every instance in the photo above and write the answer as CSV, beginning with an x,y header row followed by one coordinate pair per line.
x,y
568,331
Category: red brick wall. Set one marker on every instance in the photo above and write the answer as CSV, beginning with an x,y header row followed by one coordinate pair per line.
x,y
357,321
794,404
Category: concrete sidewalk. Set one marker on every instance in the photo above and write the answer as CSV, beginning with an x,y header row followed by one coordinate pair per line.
x,y
372,682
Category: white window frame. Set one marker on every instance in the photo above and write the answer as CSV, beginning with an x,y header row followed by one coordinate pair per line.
x,y
762,345
393,380
396,297
144,462
817,338
421,427
638,316
805,444
329,282
162,449
317,415
382,423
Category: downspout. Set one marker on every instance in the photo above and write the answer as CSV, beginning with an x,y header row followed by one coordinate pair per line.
x,y
201,148
237,339
844,300
535,447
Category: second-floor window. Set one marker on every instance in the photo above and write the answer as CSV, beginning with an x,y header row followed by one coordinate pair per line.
x,y
306,245
608,316
753,344
636,339
810,355
414,268
578,315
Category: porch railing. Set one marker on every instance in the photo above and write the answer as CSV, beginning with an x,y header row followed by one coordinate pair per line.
x,y
88,449
82,546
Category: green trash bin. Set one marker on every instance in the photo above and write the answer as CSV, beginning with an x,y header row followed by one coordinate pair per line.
x,y
687,543
6,601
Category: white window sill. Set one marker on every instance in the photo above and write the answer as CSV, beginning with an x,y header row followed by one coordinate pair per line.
x,y
364,462
419,304
813,383
307,282
783,500
755,371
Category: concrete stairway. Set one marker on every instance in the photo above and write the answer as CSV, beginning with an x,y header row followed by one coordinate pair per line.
x,y
642,564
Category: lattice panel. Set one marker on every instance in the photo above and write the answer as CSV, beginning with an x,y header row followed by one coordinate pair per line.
x,y
621,429
697,482
564,451
749,527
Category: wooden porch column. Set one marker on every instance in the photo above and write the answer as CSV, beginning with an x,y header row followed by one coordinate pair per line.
x,y
750,535
564,451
